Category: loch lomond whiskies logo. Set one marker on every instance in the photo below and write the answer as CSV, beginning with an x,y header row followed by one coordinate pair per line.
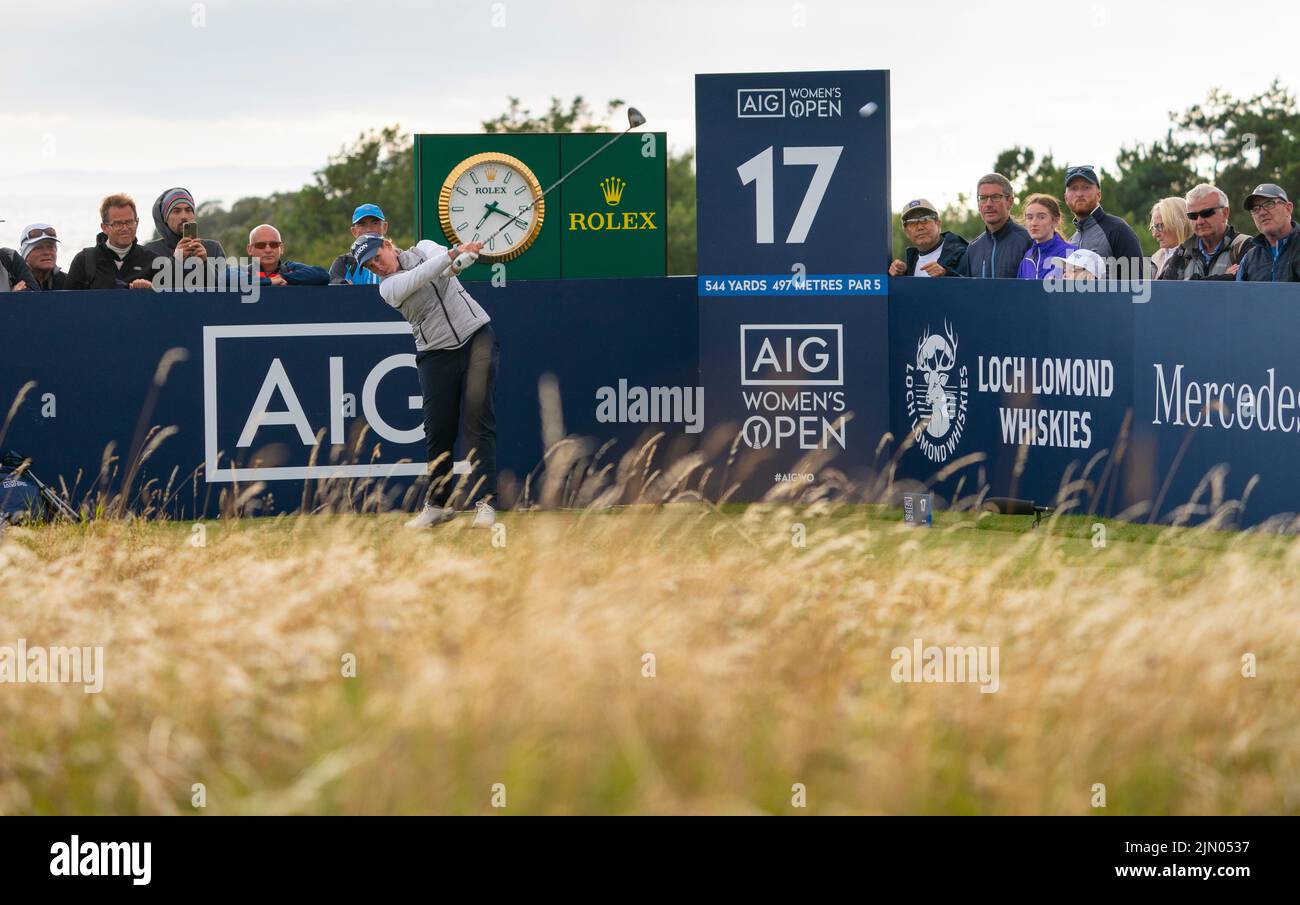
x,y
936,402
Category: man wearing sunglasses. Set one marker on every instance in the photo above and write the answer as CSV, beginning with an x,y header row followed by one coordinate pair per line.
x,y
40,249
266,245
1214,250
1272,255
1098,231
933,252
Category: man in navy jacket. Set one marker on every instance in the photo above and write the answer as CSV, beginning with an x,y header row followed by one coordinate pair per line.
x,y
1001,247
1098,231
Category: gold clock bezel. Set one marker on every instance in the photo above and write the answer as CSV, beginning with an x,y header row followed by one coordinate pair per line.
x,y
539,209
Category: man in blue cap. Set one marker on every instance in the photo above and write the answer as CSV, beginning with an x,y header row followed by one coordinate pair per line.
x,y
367,219
1098,231
1272,255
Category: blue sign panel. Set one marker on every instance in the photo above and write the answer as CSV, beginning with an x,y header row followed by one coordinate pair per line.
x,y
792,192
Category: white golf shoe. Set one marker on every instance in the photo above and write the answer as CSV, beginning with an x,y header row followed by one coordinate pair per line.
x,y
484,516
430,516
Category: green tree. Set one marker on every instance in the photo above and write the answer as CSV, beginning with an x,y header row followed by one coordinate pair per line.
x,y
1239,143
1030,174
379,167
1144,174
314,220
577,118
681,212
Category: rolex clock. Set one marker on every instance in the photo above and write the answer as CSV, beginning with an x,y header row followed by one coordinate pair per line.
x,y
488,192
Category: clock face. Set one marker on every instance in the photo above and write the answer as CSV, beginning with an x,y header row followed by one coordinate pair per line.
x,y
489,198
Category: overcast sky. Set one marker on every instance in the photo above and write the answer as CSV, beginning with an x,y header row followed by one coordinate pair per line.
x,y
234,97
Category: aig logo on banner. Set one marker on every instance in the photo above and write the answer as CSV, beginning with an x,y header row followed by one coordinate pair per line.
x,y
798,103
286,385
786,358
792,355
760,103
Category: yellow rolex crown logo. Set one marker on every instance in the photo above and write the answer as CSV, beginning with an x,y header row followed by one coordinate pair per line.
x,y
612,188
491,174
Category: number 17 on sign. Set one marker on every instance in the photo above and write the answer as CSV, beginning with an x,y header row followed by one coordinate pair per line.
x,y
918,509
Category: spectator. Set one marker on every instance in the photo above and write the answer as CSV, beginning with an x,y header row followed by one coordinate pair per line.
x,y
1214,250
933,253
116,260
999,249
1043,221
40,248
1098,231
173,209
1271,255
265,244
367,219
1083,265
15,275
1170,226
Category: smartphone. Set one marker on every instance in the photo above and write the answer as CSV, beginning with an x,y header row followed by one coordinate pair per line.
x,y
190,230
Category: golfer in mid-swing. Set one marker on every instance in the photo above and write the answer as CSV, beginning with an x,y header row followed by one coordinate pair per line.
x,y
457,354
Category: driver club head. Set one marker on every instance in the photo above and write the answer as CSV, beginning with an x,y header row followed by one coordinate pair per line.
x,y
634,118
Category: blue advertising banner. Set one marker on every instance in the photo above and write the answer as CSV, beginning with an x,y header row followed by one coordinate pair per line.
x,y
241,392
1179,403
1007,384
1216,410
792,191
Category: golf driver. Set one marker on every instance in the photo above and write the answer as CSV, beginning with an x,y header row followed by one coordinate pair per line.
x,y
634,119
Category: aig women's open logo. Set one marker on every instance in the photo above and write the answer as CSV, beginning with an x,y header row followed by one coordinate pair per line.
x,y
935,403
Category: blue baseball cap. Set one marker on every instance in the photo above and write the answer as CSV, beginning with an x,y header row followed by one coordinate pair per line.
x,y
1085,170
366,247
367,210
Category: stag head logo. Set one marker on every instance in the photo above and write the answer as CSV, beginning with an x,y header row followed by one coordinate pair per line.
x,y
935,357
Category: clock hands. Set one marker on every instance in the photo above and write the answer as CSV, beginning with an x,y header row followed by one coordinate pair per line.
x,y
492,208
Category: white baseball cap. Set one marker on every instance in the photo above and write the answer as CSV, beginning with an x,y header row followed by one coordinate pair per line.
x,y
1086,260
34,234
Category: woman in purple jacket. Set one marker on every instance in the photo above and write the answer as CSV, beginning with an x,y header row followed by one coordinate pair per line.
x,y
1043,220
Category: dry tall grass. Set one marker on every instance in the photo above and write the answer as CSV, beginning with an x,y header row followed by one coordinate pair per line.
x,y
523,664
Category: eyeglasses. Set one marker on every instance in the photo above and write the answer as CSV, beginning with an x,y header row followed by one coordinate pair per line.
x,y
1208,212
985,199
1265,205
925,218
48,231
121,224
1157,227
260,245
